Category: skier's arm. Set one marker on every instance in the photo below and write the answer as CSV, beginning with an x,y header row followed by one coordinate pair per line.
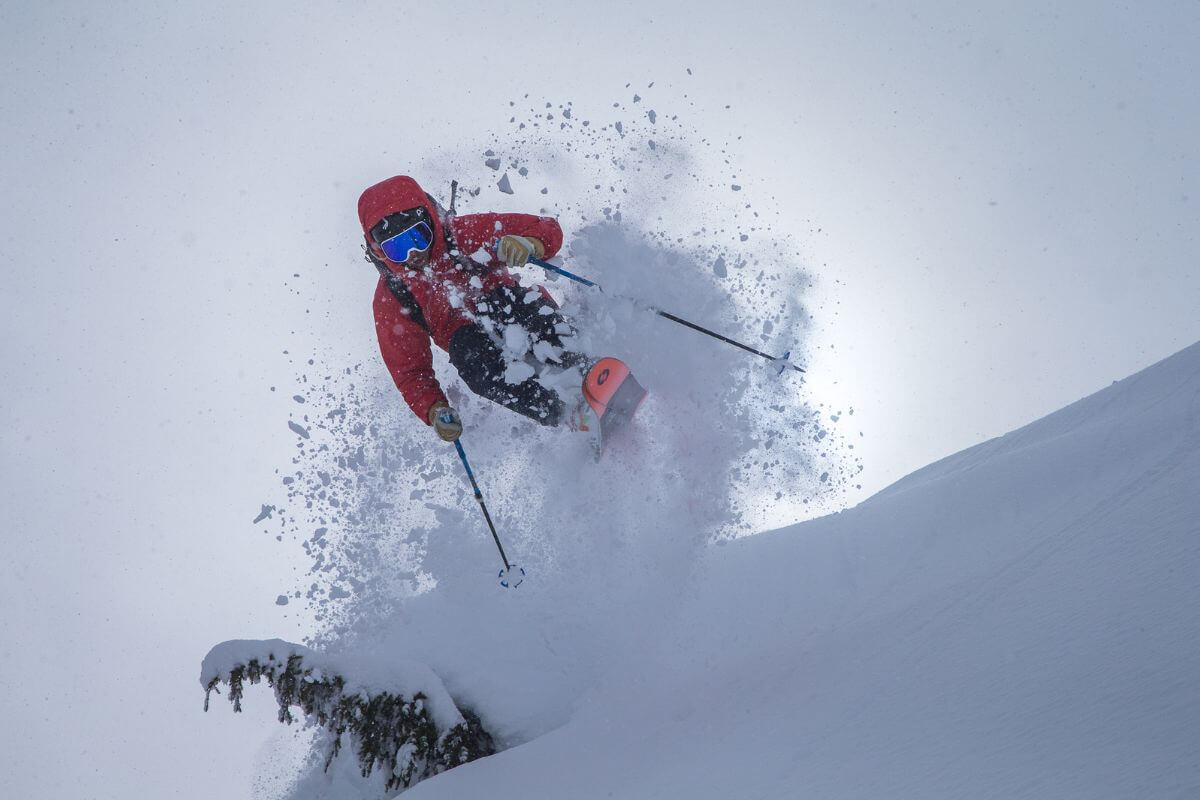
x,y
476,232
405,348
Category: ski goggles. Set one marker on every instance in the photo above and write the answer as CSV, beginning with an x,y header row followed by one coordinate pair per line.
x,y
408,237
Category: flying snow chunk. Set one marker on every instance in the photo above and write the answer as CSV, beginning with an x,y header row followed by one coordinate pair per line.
x,y
546,352
718,267
516,340
494,163
653,117
282,600
518,372
299,430
503,184
481,256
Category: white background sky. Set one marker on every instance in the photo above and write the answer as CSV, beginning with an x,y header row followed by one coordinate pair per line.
x,y
1006,196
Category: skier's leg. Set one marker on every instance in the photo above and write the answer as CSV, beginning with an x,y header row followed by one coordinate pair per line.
x,y
546,323
481,364
562,366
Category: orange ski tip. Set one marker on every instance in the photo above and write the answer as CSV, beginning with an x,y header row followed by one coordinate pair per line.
x,y
602,382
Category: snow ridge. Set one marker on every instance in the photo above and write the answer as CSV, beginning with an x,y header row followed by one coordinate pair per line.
x,y
1015,621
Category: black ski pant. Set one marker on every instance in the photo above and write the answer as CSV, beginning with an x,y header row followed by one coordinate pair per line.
x,y
476,352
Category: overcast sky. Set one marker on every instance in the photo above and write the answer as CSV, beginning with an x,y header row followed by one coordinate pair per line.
x,y
999,205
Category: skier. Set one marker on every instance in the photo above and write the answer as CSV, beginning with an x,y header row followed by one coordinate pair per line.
x,y
446,278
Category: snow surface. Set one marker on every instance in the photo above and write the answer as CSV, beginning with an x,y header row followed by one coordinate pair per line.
x,y
1017,620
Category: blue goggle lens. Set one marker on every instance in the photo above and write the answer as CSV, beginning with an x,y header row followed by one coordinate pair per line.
x,y
398,248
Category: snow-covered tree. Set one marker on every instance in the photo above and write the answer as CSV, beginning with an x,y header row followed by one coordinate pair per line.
x,y
410,733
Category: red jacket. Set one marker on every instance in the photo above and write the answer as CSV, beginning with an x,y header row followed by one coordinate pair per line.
x,y
448,290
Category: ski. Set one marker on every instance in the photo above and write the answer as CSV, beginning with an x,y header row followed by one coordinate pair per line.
x,y
614,396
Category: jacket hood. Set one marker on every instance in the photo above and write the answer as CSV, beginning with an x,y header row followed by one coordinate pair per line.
x,y
400,193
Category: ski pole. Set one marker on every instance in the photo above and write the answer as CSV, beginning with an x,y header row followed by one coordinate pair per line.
x,y
563,272
665,315
462,454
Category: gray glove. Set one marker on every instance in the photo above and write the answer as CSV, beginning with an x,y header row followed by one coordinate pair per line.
x,y
515,251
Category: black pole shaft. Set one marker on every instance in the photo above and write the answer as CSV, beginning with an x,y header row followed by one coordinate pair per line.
x,y
698,328
462,454
716,335
492,528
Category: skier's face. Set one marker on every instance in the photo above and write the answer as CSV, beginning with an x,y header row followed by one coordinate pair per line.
x,y
405,237
418,260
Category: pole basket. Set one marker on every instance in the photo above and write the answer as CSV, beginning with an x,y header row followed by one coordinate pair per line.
x,y
511,577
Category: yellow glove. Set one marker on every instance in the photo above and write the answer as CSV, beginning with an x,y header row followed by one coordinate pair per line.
x,y
515,251
445,422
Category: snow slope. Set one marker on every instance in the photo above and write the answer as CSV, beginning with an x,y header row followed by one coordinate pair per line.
x,y
1018,620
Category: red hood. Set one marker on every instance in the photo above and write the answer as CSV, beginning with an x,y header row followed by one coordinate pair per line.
x,y
400,193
